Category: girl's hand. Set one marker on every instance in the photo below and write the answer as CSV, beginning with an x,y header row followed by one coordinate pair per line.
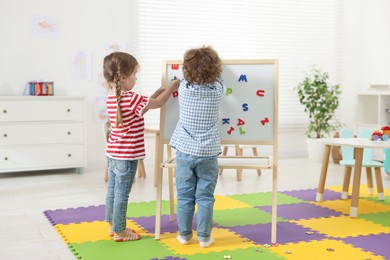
x,y
157,92
174,84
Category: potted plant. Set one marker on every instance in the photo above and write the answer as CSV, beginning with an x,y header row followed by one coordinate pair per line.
x,y
320,100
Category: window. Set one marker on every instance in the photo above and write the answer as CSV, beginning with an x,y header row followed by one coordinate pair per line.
x,y
298,33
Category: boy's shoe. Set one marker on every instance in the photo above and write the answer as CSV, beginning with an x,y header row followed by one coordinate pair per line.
x,y
182,240
207,244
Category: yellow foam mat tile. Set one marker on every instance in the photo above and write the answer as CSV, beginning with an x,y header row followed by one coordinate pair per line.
x,y
223,202
363,192
343,226
321,250
223,239
344,206
91,231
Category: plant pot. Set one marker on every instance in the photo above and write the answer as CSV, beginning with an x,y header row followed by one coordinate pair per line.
x,y
315,149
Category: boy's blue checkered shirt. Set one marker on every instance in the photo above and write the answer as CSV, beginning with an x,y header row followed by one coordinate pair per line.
x,y
197,131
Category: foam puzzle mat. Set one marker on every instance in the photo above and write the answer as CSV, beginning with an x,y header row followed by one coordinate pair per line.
x,y
306,229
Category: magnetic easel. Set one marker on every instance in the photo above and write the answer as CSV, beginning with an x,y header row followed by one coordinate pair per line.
x,y
260,125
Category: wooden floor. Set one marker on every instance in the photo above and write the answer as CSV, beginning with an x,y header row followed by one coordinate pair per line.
x,y
25,233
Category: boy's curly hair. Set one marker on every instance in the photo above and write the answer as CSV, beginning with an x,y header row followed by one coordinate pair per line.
x,y
201,65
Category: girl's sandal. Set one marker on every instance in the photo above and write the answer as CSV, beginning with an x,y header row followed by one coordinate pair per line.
x,y
111,233
126,236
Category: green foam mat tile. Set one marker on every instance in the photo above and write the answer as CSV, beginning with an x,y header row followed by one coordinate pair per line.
x,y
248,254
375,199
242,217
378,218
143,249
146,209
265,199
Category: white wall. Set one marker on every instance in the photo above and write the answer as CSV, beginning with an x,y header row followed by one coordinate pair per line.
x,y
86,25
365,50
91,25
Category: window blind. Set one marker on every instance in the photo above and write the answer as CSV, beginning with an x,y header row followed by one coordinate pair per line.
x,y
299,33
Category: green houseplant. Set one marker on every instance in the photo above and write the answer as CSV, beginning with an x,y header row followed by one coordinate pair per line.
x,y
320,100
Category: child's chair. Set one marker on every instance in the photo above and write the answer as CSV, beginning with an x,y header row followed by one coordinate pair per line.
x,y
386,162
348,162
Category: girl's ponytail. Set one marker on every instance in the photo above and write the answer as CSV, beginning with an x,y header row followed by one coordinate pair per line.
x,y
118,98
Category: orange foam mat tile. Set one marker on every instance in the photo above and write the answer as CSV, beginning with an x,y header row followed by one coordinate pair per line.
x,y
364,207
91,231
343,226
224,240
326,249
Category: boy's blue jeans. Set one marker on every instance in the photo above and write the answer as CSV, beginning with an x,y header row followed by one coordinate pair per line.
x,y
196,178
120,180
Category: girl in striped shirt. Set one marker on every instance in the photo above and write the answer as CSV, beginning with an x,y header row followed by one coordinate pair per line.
x,y
125,144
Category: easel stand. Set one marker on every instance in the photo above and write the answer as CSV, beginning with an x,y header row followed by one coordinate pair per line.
x,y
248,117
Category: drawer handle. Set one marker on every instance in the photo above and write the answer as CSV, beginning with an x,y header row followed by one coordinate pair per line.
x,y
68,110
69,155
5,135
5,111
69,132
5,158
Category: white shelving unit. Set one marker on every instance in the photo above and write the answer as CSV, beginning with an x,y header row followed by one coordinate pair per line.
x,y
372,113
42,133
372,109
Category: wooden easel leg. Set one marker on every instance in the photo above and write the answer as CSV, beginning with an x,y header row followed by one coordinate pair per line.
x,y
141,169
238,153
158,205
157,159
224,152
170,183
254,149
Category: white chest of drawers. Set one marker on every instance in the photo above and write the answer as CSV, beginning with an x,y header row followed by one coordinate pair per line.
x,y
42,133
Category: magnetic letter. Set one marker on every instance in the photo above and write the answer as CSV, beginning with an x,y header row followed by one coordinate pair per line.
x,y
231,130
260,92
263,122
229,91
242,131
175,93
242,78
226,121
241,122
245,107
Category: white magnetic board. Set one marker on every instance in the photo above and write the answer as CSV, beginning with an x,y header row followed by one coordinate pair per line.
x,y
249,110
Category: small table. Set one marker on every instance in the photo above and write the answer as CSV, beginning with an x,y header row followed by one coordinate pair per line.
x,y
358,144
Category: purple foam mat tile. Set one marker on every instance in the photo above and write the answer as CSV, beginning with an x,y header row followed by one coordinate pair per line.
x,y
167,226
310,194
378,244
301,211
286,232
76,215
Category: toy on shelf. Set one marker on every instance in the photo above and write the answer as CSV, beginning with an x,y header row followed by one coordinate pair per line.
x,y
381,135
